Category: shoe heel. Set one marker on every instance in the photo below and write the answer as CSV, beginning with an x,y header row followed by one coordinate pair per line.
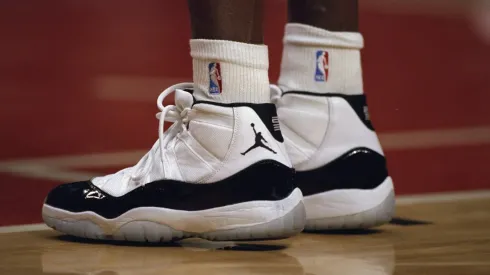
x,y
283,227
351,209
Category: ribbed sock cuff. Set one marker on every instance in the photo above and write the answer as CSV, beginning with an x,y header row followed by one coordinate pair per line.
x,y
228,71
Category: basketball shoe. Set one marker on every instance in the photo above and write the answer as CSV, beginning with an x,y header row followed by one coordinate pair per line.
x,y
340,166
329,137
220,172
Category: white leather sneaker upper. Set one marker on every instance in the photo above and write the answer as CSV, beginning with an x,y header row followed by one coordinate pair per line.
x,y
204,145
318,129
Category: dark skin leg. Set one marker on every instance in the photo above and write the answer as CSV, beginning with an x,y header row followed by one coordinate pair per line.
x,y
331,15
235,20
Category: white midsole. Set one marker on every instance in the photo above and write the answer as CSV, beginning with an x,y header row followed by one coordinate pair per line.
x,y
337,203
220,218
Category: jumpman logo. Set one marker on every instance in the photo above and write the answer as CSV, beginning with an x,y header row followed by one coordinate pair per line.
x,y
258,142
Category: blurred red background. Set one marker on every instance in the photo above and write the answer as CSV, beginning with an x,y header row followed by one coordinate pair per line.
x,y
79,81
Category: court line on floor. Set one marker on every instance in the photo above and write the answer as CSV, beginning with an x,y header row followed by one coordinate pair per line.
x,y
23,228
44,172
423,139
442,197
63,168
401,200
95,160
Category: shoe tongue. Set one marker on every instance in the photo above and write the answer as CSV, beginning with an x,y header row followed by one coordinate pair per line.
x,y
183,99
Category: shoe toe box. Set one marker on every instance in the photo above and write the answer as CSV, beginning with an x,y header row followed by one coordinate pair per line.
x,y
73,196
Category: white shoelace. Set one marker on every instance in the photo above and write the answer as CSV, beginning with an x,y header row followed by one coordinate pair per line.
x,y
276,93
178,114
172,113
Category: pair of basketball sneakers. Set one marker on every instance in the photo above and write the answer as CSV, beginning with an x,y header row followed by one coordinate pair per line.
x,y
238,172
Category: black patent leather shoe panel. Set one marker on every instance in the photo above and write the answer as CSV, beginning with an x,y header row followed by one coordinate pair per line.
x,y
265,180
359,168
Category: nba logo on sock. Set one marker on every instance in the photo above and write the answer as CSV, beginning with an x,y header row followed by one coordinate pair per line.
x,y
214,78
321,71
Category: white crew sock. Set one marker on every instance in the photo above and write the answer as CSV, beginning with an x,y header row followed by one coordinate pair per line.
x,y
228,71
307,50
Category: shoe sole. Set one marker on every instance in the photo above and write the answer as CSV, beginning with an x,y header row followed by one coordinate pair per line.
x,y
244,221
350,209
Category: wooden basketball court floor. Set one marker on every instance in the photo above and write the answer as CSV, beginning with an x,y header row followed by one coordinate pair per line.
x,y
437,234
